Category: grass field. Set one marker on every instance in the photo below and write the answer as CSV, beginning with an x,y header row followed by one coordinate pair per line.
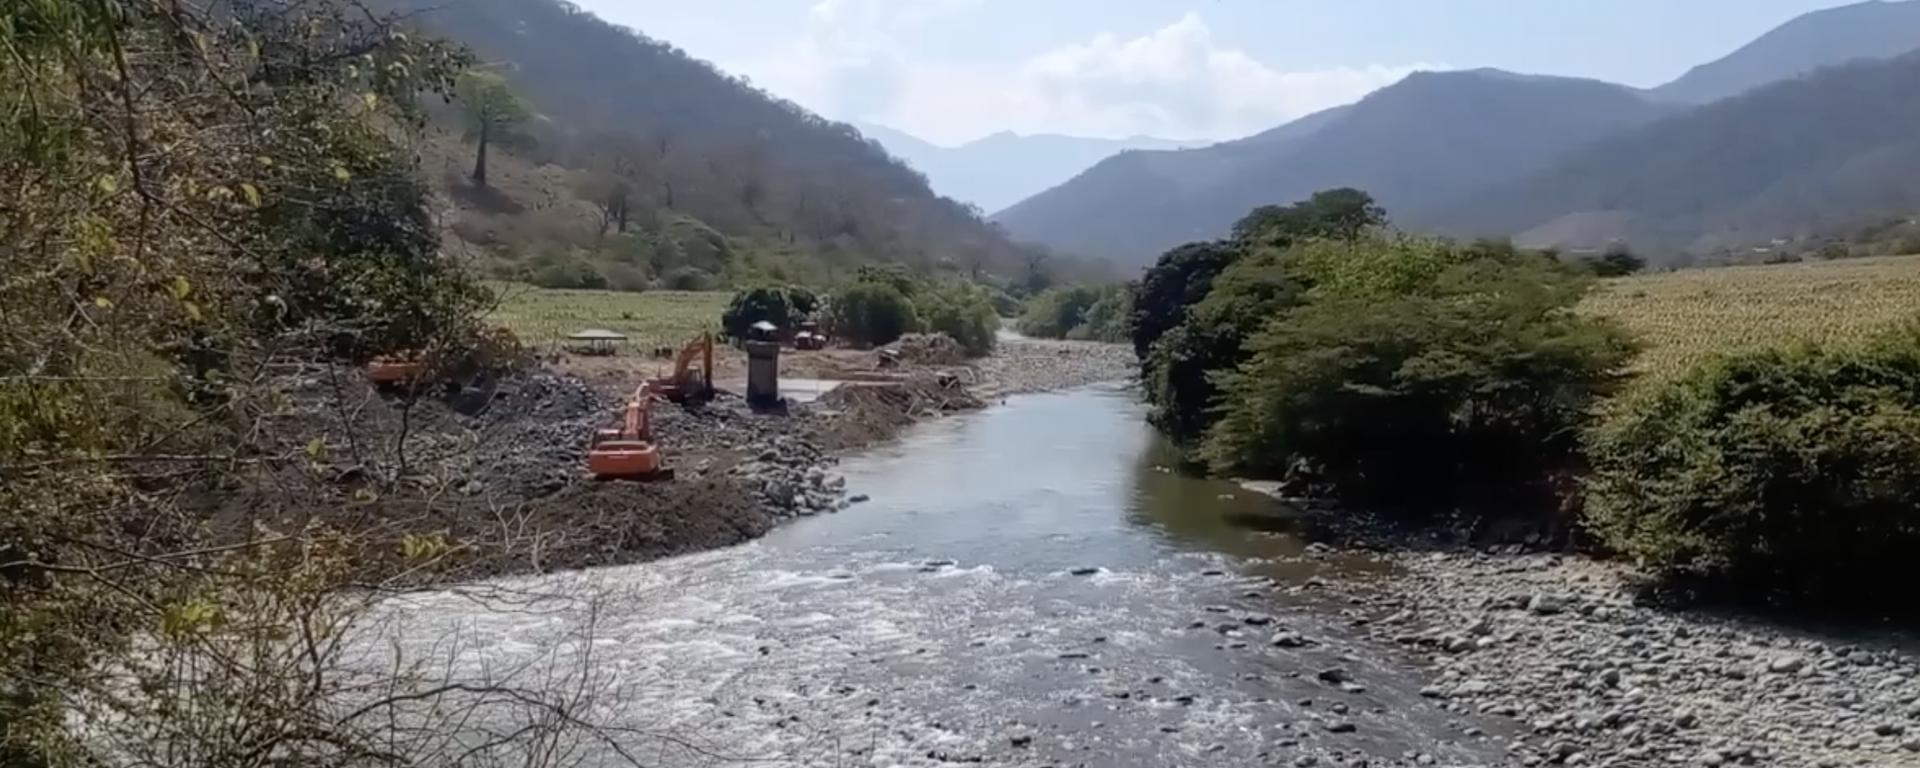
x,y
543,317
1690,315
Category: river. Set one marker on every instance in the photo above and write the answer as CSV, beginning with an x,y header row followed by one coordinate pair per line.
x,y
953,618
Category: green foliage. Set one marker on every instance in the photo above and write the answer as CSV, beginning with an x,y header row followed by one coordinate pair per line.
x,y
567,271
1793,472
962,311
1415,385
783,306
1178,371
873,313
1083,312
1179,280
1334,214
493,114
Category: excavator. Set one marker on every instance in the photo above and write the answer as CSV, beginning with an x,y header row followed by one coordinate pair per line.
x,y
396,371
628,452
684,384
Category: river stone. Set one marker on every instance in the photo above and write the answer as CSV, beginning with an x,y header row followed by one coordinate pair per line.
x,y
1786,664
1287,640
1546,603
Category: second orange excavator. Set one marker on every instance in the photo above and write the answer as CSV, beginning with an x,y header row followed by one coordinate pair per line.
x,y
685,383
628,452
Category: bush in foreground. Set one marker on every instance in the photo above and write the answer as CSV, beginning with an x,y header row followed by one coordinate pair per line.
x,y
1787,472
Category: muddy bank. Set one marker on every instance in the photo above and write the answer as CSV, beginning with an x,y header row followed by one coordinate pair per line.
x,y
1590,673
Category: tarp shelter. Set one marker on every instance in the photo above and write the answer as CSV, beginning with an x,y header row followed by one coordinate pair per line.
x,y
597,341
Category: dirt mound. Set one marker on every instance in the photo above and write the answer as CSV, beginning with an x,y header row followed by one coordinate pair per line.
x,y
862,414
929,349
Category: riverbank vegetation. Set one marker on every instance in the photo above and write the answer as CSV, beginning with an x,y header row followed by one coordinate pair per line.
x,y
1080,312
207,218
1319,348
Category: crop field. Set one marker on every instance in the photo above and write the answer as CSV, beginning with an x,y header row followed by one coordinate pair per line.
x,y
1689,315
543,317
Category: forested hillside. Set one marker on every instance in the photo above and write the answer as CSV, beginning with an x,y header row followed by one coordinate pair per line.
x,y
1870,30
1416,146
637,165
1803,157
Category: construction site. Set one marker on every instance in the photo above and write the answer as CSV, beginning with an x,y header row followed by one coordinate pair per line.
x,y
590,459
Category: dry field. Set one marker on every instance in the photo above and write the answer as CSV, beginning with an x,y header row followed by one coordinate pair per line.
x,y
1690,315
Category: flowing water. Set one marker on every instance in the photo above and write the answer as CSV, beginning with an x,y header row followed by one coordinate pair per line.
x,y
954,619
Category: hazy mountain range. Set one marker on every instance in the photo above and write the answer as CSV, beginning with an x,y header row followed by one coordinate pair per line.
x,y
1002,169
1762,143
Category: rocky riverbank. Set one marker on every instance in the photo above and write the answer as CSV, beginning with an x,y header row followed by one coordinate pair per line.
x,y
1591,674
499,470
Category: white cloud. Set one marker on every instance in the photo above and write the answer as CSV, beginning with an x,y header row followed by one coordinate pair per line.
x,y
1177,81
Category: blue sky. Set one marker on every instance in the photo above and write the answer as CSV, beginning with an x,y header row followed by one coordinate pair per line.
x,y
954,70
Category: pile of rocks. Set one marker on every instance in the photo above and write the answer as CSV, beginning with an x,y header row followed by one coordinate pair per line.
x,y
1592,677
1039,365
791,477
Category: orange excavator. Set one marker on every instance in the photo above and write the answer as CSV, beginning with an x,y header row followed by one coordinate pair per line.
x,y
685,384
628,452
395,372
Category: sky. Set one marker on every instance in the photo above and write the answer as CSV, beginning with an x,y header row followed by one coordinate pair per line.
x,y
950,71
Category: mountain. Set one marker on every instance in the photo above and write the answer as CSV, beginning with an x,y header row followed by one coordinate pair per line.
x,y
1871,30
1808,156
723,178
1002,169
1417,146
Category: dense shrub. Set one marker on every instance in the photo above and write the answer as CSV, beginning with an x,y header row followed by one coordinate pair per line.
x,y
1068,312
1179,280
1406,378
1793,472
768,303
873,313
687,279
569,271
1180,368
961,311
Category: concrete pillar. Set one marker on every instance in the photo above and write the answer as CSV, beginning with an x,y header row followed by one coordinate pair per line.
x,y
763,373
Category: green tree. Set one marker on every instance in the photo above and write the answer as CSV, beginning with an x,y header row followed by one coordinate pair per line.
x,y
962,311
873,314
1179,280
1440,377
494,113
1335,214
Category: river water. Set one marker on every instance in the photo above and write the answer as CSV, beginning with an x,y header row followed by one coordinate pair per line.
x,y
954,619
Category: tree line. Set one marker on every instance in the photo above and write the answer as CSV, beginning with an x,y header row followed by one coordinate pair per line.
x,y
1426,376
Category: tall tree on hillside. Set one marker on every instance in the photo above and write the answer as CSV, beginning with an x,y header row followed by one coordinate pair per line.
x,y
494,112
1333,214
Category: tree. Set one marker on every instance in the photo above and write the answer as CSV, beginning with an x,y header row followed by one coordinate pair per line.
x,y
1333,214
1180,279
494,112
1442,377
